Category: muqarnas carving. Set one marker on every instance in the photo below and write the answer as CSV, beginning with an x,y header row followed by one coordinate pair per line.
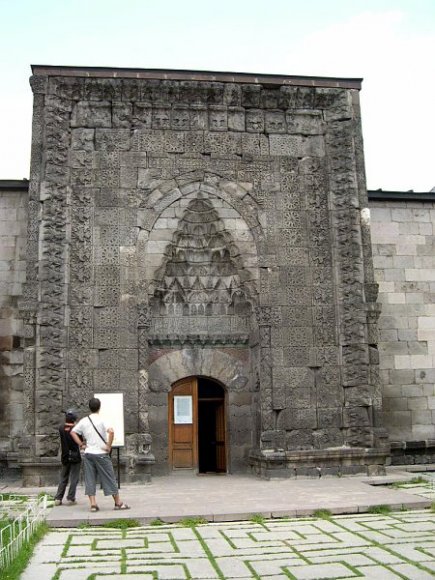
x,y
202,279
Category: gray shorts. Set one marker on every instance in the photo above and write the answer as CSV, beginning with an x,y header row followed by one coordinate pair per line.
x,y
101,466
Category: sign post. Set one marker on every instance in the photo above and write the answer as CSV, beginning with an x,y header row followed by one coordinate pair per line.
x,y
112,413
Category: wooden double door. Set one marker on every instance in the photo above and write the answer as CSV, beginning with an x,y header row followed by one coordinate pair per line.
x,y
197,426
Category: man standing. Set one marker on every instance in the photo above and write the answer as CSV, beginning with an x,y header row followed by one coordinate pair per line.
x,y
71,461
96,460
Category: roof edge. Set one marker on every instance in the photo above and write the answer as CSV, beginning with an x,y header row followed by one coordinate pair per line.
x,y
14,184
192,75
379,195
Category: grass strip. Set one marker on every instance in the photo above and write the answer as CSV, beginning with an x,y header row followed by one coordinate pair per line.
x,y
389,551
13,497
121,524
173,543
66,546
252,570
210,556
17,567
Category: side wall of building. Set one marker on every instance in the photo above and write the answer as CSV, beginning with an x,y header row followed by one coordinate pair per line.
x,y
403,238
13,225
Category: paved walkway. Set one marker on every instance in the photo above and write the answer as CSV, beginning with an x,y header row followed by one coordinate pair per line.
x,y
271,544
236,497
398,545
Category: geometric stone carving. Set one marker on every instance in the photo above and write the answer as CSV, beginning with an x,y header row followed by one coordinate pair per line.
x,y
201,275
156,208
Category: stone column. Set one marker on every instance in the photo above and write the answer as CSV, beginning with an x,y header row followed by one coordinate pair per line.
x,y
144,457
272,395
29,304
350,270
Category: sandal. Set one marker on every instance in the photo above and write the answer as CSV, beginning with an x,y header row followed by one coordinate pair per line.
x,y
94,508
122,506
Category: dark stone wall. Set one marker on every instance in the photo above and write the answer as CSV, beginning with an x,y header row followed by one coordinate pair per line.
x,y
196,216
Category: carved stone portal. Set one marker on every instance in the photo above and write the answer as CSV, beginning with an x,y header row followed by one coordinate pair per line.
x,y
182,227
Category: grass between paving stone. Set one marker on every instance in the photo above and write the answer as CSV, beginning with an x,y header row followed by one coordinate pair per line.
x,y
157,522
322,514
173,543
123,561
357,573
252,570
424,552
121,524
379,509
386,549
257,519
372,543
42,493
14,497
418,479
84,526
154,574
16,568
57,574
210,556
192,522
414,481
66,546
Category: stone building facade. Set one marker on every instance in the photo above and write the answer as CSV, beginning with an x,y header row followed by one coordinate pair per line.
x,y
201,235
13,241
402,226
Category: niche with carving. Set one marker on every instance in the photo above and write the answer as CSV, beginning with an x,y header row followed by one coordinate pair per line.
x,y
202,287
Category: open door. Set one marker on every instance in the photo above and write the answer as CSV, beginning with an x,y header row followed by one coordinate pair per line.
x,y
197,427
221,460
183,424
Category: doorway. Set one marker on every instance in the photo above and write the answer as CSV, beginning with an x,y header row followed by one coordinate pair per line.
x,y
197,426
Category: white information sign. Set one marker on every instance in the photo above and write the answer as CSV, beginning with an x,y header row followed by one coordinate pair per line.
x,y
183,410
112,413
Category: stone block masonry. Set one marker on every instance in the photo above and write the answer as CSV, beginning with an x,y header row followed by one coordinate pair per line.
x,y
403,237
13,234
188,224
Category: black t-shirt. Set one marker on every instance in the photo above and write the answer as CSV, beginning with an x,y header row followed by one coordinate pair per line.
x,y
66,442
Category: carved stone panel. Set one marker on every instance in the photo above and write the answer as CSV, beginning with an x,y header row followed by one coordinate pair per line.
x,y
176,217
201,277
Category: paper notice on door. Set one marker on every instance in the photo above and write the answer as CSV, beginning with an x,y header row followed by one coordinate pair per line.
x,y
183,410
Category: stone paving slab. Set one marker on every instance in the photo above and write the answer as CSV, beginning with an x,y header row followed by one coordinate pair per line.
x,y
235,498
340,547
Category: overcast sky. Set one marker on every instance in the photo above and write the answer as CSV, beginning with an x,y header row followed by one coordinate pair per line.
x,y
390,43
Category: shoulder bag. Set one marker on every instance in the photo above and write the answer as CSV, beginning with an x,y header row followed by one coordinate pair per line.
x,y
74,456
99,435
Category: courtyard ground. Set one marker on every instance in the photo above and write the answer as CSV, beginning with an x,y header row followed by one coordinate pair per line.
x,y
373,532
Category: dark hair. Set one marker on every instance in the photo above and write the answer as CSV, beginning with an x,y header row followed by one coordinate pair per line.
x,y
94,405
70,415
